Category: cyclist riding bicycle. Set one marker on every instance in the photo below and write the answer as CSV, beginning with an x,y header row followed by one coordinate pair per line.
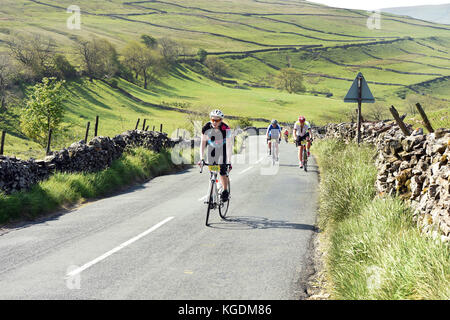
x,y
217,135
273,133
302,131
286,135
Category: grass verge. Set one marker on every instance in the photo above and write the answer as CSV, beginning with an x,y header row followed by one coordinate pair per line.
x,y
373,248
66,189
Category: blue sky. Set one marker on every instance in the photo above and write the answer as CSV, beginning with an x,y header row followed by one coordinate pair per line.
x,y
378,4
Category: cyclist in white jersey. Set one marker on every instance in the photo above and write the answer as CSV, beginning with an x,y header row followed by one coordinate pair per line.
x,y
273,134
302,131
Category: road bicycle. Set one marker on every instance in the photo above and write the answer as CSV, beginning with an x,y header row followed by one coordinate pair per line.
x,y
215,190
273,149
304,143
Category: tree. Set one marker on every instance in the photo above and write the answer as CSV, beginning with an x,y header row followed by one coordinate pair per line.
x,y
170,50
149,41
377,111
63,68
216,66
6,76
143,61
35,52
99,57
132,57
291,80
44,110
202,54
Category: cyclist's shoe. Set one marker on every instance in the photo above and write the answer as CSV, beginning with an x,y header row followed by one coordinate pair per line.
x,y
300,165
224,196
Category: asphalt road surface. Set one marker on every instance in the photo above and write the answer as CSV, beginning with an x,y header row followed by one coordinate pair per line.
x,y
151,241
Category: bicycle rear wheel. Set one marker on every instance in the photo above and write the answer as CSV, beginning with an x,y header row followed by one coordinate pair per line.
x,y
223,207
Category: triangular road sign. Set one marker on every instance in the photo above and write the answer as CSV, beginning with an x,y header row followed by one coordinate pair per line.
x,y
353,93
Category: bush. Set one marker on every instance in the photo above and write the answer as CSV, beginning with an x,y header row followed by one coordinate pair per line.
x,y
244,122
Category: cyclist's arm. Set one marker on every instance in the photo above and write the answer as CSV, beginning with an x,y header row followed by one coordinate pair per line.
x,y
229,146
203,146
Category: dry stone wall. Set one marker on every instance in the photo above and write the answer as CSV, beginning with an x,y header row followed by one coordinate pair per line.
x,y
98,154
415,168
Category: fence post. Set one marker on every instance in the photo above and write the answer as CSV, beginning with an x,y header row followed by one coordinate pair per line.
x,y
160,128
87,132
153,128
143,125
426,122
146,129
137,123
2,144
400,122
96,126
49,141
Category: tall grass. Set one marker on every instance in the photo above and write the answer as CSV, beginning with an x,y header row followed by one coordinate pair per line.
x,y
65,189
374,250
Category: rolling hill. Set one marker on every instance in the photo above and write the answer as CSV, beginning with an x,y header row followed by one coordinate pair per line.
x,y
437,13
406,60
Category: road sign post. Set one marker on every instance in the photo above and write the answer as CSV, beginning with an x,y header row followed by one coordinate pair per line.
x,y
359,92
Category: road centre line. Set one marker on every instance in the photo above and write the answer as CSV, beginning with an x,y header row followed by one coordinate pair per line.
x,y
244,171
123,245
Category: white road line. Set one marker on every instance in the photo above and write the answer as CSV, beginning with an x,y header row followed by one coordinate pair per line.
x,y
244,171
123,245
261,159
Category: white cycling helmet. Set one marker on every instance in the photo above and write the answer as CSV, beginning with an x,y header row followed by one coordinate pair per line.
x,y
217,113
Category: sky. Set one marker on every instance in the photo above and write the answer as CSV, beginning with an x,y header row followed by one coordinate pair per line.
x,y
377,4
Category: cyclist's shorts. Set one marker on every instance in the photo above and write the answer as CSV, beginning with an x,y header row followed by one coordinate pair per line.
x,y
223,169
301,138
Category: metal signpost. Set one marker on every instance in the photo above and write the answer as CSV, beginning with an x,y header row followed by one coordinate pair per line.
x,y
359,92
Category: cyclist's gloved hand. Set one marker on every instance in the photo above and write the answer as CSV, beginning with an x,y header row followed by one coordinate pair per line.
x,y
201,162
230,167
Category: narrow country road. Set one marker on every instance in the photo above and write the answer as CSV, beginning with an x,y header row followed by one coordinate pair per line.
x,y
151,241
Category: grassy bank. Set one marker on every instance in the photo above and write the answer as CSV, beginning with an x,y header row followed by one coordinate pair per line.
x,y
63,189
373,248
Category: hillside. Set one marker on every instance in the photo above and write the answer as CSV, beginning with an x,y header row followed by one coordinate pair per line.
x,y
436,13
406,61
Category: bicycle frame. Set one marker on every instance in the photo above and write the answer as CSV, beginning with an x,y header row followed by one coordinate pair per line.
x,y
213,197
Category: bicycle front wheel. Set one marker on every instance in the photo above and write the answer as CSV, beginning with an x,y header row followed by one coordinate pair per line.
x,y
305,159
210,201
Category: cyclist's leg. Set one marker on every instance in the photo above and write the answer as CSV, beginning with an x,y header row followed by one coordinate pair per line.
x,y
277,148
223,177
309,142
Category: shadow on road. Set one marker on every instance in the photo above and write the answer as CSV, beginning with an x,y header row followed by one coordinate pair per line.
x,y
248,223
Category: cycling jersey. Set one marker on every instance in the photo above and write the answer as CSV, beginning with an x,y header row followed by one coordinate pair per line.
x,y
273,132
302,131
216,145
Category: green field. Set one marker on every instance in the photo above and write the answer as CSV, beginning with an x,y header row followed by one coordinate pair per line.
x,y
405,58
